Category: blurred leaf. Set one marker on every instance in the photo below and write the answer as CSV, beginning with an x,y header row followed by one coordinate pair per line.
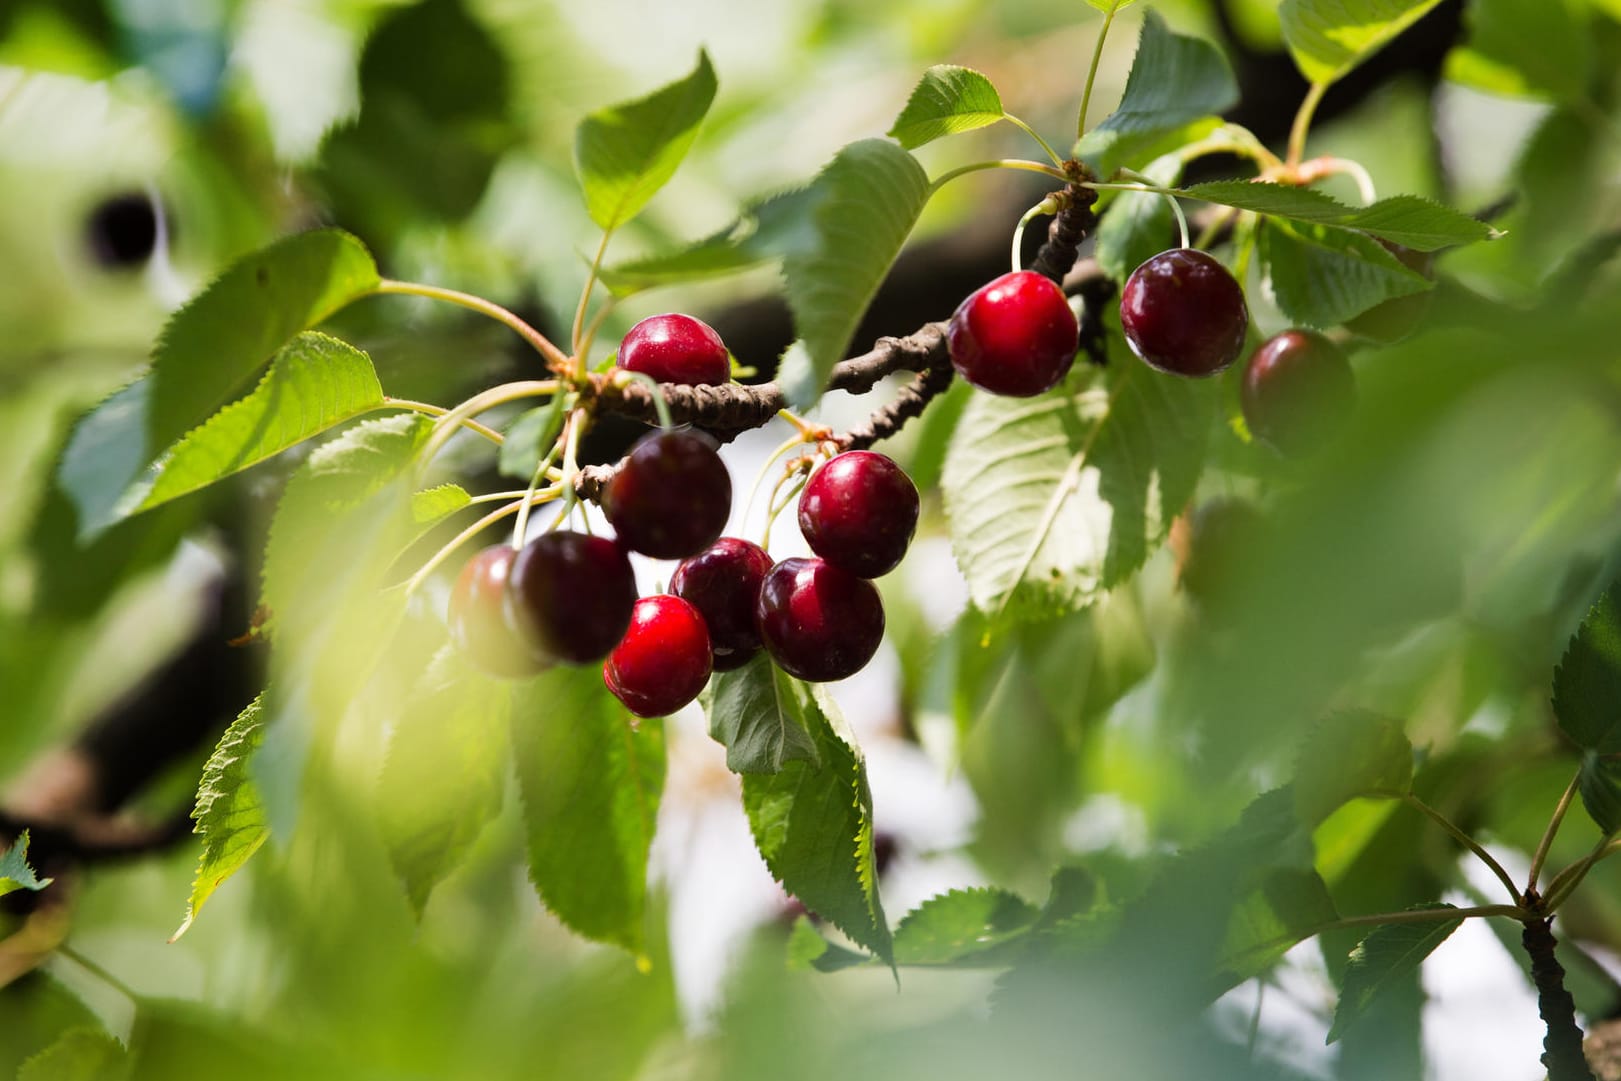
x,y
79,1054
1330,37
229,814
767,228
183,48
445,773
1385,957
15,874
1289,905
866,201
1174,81
1105,5
530,438
1409,220
591,778
808,949
1321,276
1349,754
210,347
963,928
625,153
759,714
813,826
1587,683
1052,500
432,505
947,100
1600,785
314,383
1525,50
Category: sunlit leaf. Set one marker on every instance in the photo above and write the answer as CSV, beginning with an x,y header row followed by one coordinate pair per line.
x,y
1525,50
15,873
79,1054
947,100
767,229
1330,37
229,815
1386,956
963,927
1409,220
1321,276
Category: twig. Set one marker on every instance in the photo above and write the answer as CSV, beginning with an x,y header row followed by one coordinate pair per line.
x,y
1562,1046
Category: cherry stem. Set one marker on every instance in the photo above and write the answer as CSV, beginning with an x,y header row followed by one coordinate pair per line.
x,y
1176,207
585,296
1464,839
1541,855
1419,915
596,324
1092,72
1302,123
1000,163
416,580
1049,205
572,431
777,506
1565,882
1317,168
556,359
543,468
798,440
446,425
1028,130
438,411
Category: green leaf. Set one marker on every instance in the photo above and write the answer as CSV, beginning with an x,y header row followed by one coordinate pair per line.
x,y
1138,224
1409,220
445,773
1540,50
808,949
316,382
1321,276
963,928
1587,682
865,203
530,437
1330,37
210,349
1053,500
79,1054
625,153
813,825
1288,905
766,229
1105,5
229,815
15,874
947,100
432,505
1349,754
1600,785
1383,959
758,713
1174,81
591,778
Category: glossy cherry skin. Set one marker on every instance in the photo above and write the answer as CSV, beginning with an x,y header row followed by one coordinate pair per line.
x,y
1297,392
664,659
1394,319
571,595
478,619
818,622
671,497
859,512
674,348
723,582
1183,313
1015,336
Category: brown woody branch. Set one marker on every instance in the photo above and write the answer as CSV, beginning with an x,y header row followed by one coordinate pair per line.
x,y
1562,1046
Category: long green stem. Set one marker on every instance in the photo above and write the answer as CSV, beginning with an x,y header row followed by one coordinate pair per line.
x,y
1541,855
1419,915
1092,72
1565,882
1467,841
1302,124
520,528
1028,130
446,425
585,295
556,359
438,411
1176,207
99,972
416,580
1046,206
1001,163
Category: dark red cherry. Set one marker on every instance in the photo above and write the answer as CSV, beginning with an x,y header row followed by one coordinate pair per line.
x,y
675,348
571,595
723,583
1183,313
1297,392
859,512
664,659
1015,336
819,622
478,620
671,497
1394,319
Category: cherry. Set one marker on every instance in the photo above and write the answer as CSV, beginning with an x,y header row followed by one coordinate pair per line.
x,y
671,497
676,348
1183,313
723,583
478,620
1015,336
1392,320
1211,545
819,622
1297,391
859,512
664,659
571,595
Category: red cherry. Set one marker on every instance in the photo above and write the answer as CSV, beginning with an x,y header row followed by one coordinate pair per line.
x,y
478,621
663,661
571,595
1297,392
676,348
671,497
818,622
859,512
1015,336
723,583
1183,313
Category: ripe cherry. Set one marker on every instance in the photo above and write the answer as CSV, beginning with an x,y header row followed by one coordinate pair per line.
x,y
819,622
723,583
675,348
1297,391
571,595
1394,319
664,659
859,512
1015,336
1183,313
478,620
671,497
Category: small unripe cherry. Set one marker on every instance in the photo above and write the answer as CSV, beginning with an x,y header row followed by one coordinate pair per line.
x,y
664,659
723,583
671,497
571,595
859,512
1297,391
1183,313
478,618
675,348
1015,336
818,622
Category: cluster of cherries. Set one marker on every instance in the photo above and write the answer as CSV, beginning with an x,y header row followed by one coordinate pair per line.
x,y
570,598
